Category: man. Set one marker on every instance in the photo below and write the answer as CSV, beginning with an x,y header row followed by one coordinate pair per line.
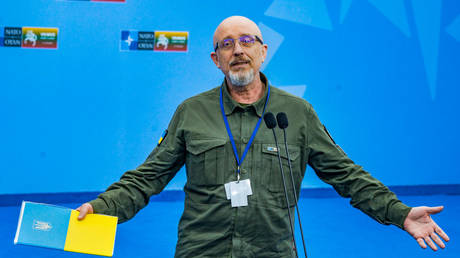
x,y
216,135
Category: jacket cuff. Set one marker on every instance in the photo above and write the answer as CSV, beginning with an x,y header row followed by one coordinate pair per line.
x,y
99,206
398,213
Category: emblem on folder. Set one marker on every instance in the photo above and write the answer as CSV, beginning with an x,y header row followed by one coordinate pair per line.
x,y
41,225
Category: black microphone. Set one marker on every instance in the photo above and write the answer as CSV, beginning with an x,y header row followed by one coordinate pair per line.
x,y
281,117
282,120
270,122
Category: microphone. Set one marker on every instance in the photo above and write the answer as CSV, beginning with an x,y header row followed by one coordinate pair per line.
x,y
281,117
282,120
270,122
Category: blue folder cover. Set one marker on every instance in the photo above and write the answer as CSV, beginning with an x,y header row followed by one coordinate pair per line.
x,y
42,225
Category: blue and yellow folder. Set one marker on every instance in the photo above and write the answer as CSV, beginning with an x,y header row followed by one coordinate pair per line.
x,y
58,227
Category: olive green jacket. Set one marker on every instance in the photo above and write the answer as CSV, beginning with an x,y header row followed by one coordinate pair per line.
x,y
209,226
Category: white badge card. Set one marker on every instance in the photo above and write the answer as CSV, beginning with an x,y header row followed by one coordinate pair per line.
x,y
238,192
248,185
239,200
227,190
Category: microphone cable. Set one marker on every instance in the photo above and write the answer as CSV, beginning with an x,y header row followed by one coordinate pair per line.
x,y
270,122
282,120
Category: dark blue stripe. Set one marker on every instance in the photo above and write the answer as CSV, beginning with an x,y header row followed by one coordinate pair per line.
x,y
178,195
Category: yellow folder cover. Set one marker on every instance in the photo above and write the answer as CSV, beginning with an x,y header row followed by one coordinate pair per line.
x,y
93,235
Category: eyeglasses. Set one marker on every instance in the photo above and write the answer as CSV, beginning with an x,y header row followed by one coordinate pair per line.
x,y
245,41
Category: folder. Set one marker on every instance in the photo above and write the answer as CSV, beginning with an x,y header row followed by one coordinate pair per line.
x,y
57,227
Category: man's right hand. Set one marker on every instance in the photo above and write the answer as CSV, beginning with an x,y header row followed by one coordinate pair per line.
x,y
84,209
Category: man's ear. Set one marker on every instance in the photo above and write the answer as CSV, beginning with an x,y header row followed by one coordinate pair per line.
x,y
215,59
264,51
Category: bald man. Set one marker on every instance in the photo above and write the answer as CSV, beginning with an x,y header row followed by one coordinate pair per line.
x,y
234,197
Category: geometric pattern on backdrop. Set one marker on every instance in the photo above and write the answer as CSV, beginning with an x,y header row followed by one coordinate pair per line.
x,y
454,28
427,19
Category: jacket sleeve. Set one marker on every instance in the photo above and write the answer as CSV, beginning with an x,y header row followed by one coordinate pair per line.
x,y
334,167
134,189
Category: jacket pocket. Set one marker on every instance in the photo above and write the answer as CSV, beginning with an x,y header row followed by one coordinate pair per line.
x,y
275,181
205,161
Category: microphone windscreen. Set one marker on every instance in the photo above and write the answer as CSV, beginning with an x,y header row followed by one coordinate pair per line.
x,y
270,120
281,117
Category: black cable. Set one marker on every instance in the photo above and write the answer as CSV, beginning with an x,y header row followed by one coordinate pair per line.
x,y
283,124
295,195
270,121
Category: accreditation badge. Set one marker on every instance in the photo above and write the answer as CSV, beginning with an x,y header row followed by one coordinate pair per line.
x,y
238,192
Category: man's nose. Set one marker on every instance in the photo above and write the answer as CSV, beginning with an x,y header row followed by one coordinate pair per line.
x,y
237,49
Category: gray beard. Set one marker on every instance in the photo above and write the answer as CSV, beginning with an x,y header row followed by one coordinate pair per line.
x,y
241,79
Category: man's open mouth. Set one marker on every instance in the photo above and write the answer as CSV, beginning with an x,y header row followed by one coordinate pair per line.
x,y
239,63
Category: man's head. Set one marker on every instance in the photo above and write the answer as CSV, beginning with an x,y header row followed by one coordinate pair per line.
x,y
239,51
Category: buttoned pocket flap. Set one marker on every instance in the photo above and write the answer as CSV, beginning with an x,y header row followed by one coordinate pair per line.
x,y
199,146
273,150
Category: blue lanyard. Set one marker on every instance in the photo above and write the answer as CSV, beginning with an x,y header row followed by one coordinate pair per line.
x,y
230,135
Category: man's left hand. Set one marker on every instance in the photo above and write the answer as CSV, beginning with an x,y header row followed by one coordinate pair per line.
x,y
422,227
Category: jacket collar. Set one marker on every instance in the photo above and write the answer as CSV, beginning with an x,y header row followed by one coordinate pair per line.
x,y
230,105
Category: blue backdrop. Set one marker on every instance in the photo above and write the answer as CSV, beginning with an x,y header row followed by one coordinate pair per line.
x,y
382,75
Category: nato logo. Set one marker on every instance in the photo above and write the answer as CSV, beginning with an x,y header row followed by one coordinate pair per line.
x,y
146,40
11,36
128,40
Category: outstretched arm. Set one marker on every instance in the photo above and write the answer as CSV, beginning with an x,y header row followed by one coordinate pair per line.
x,y
422,227
369,195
